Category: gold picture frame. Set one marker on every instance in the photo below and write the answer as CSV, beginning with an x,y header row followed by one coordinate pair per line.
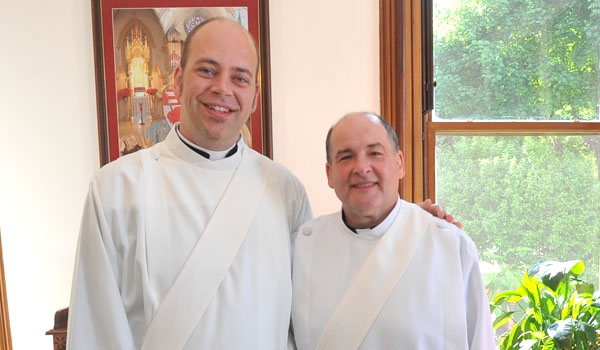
x,y
137,45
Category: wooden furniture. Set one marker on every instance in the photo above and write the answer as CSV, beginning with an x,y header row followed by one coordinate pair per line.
x,y
5,337
59,332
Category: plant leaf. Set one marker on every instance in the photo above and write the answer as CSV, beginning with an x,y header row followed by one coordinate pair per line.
x,y
527,344
588,330
585,288
553,272
510,296
562,333
502,319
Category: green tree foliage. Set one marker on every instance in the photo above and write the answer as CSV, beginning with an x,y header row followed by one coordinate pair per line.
x,y
523,199
517,59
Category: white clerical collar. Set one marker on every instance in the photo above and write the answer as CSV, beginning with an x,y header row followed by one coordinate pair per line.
x,y
207,153
384,225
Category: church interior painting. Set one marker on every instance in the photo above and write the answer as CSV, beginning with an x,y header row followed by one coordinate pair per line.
x,y
147,47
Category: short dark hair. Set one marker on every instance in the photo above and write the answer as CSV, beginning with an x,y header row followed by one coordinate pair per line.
x,y
388,128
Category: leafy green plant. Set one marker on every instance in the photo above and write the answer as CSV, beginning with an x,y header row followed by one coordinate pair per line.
x,y
555,311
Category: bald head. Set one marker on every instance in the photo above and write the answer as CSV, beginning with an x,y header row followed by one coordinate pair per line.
x,y
217,83
371,116
216,23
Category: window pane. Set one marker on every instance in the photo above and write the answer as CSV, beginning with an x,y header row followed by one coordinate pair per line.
x,y
516,59
523,199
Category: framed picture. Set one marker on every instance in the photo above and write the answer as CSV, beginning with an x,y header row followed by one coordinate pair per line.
x,y
137,46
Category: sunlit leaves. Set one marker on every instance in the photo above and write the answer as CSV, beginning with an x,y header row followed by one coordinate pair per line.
x,y
514,59
538,316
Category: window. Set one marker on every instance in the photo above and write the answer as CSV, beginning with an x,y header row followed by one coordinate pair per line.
x,y
509,138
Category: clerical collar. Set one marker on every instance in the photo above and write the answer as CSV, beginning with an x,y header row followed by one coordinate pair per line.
x,y
207,153
382,227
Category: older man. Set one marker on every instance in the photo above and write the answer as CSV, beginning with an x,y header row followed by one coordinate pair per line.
x,y
382,273
186,245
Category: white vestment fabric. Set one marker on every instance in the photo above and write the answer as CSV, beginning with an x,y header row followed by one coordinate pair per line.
x,y
144,214
439,301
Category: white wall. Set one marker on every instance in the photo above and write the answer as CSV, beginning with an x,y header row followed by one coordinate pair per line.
x,y
324,63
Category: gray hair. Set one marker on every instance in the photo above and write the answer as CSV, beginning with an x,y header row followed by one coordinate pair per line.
x,y
393,137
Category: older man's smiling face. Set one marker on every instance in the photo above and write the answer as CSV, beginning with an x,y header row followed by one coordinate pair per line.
x,y
365,170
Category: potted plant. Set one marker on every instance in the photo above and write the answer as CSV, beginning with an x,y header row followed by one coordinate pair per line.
x,y
550,309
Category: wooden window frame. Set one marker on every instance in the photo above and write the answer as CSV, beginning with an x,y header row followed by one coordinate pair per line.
x,y
406,89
